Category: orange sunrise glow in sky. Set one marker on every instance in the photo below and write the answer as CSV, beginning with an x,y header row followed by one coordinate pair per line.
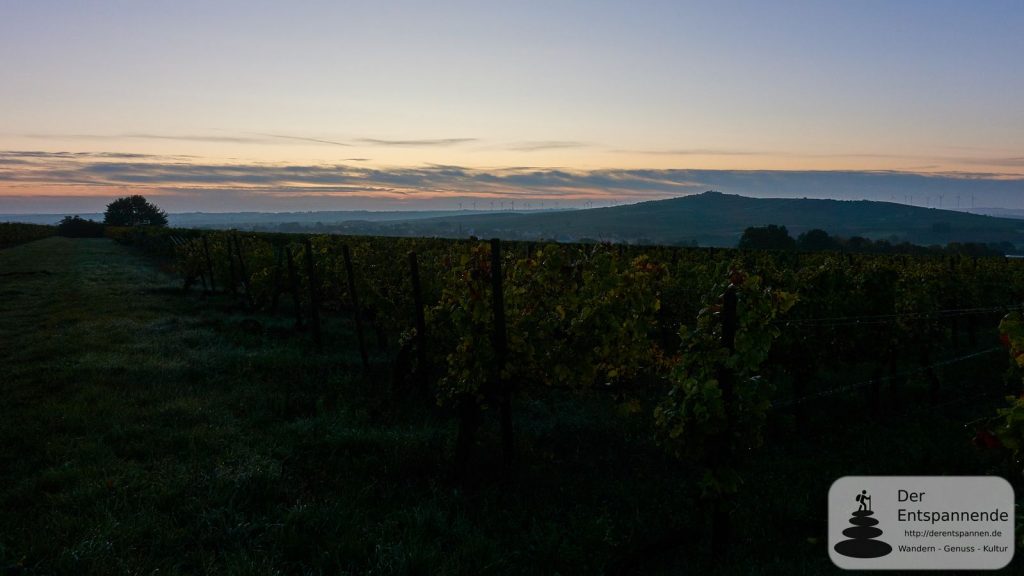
x,y
390,105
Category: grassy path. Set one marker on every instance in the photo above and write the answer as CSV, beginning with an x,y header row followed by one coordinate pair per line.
x,y
144,431
138,427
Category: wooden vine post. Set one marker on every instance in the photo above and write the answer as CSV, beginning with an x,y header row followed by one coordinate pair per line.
x,y
276,279
500,342
422,371
293,286
209,263
249,305
314,296
189,278
720,525
354,300
194,252
231,267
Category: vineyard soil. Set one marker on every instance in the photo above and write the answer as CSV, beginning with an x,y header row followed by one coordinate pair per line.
x,y
143,430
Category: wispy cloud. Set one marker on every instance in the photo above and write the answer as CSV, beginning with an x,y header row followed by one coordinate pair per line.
x,y
1010,162
305,139
535,146
254,138
416,143
98,170
192,179
49,155
263,138
216,138
693,152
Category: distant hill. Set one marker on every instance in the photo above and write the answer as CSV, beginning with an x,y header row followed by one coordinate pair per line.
x,y
715,219
708,219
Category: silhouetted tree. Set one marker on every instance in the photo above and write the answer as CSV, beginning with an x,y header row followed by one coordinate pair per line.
x,y
78,227
1004,247
816,239
979,249
770,237
859,244
134,211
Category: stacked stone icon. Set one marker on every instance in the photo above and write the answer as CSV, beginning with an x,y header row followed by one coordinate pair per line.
x,y
862,534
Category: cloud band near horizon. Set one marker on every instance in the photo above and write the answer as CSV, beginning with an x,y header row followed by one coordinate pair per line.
x,y
34,180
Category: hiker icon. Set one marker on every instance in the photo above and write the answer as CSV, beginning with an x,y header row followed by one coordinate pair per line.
x,y
862,534
864,499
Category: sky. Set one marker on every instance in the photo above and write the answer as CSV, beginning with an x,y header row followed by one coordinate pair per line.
x,y
230,105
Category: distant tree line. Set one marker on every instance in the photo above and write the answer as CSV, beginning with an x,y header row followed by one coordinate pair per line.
x,y
774,237
78,227
127,211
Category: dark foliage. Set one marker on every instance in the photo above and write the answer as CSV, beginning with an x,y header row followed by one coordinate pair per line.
x,y
815,240
134,211
78,227
770,237
818,240
12,233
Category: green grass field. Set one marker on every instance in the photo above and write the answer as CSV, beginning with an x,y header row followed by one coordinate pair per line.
x,y
147,431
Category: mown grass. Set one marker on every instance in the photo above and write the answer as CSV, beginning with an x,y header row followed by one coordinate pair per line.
x,y
147,431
